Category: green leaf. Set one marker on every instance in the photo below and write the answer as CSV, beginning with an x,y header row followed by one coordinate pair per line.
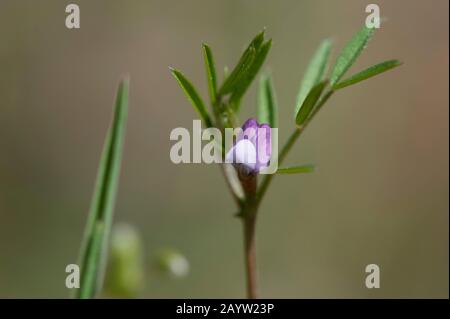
x,y
367,73
210,72
193,96
310,102
92,268
94,247
243,64
315,72
350,53
296,169
267,102
244,82
258,40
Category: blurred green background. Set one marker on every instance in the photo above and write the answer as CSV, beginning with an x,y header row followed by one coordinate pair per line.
x,y
379,195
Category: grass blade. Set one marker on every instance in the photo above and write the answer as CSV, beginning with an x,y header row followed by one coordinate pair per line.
x,y
309,103
296,169
210,73
193,96
315,72
350,53
267,102
94,247
247,78
367,73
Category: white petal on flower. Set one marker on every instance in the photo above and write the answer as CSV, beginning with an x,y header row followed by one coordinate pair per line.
x,y
243,152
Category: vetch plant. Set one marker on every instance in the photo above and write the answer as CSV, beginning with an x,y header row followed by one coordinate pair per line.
x,y
251,152
249,155
252,145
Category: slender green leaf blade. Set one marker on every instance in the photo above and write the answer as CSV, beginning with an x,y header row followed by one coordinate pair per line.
x,y
94,246
90,283
258,40
245,81
193,96
267,102
350,53
210,72
315,72
243,64
296,169
237,73
310,102
367,73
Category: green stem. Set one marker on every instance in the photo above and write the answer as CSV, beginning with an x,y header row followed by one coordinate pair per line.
x,y
284,151
217,106
287,147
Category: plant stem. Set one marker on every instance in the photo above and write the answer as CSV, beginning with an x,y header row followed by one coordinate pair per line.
x,y
284,151
287,147
249,208
236,197
250,255
249,213
216,106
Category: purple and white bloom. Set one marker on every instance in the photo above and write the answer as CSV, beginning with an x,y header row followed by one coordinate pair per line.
x,y
252,149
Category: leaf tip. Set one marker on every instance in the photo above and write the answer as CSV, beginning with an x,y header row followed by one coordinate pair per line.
x,y
125,79
262,32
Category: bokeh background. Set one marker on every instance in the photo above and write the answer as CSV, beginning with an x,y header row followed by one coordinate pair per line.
x,y
379,195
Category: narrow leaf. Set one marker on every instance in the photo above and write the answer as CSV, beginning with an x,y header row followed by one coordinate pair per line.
x,y
367,73
94,247
314,73
267,102
91,281
193,96
296,169
245,81
210,72
309,102
258,40
350,53
243,64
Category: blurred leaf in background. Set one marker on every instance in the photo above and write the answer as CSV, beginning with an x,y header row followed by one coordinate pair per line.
x,y
125,276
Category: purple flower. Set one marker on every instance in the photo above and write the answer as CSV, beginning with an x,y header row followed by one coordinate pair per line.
x,y
252,148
